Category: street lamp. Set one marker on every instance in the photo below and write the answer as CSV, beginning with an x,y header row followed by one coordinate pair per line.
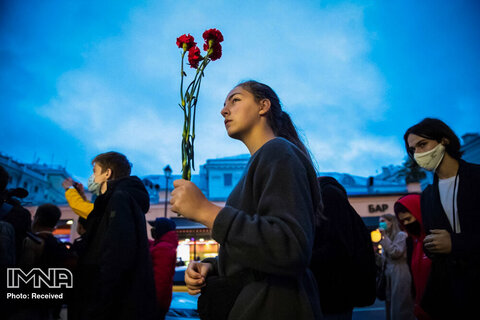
x,y
167,171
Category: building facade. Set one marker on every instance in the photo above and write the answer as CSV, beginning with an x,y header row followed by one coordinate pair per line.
x,y
43,182
370,196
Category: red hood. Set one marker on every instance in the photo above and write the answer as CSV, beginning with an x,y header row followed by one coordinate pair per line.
x,y
420,265
412,203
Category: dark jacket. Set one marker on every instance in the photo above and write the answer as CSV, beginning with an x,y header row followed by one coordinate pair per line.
x,y
49,253
20,219
452,288
338,241
267,226
115,278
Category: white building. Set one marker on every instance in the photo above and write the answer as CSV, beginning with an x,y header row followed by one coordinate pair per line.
x,y
43,182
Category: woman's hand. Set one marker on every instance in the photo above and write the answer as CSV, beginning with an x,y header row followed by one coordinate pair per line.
x,y
438,241
190,202
382,232
195,276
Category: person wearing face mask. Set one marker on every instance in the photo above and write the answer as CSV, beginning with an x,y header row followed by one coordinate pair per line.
x,y
114,277
398,302
407,210
451,217
76,198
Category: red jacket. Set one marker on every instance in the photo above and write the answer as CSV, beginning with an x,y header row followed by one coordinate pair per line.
x,y
420,264
164,257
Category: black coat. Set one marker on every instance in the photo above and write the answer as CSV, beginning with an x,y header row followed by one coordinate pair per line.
x,y
114,278
267,225
340,243
452,288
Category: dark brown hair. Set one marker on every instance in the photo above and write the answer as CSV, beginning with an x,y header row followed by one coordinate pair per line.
x,y
435,129
282,126
277,119
114,161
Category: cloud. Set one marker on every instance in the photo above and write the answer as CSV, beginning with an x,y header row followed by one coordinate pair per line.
x,y
126,93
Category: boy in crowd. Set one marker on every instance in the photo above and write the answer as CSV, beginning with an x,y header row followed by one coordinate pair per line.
x,y
115,275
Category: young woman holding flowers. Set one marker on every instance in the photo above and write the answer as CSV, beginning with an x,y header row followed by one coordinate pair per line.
x,y
266,228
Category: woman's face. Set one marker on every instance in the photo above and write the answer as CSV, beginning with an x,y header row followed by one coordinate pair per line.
x,y
241,113
417,144
406,218
389,224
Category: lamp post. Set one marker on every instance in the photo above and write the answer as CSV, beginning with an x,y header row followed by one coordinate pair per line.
x,y
168,173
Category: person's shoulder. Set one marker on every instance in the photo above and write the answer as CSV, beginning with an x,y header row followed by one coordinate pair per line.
x,y
20,210
276,145
163,247
331,186
279,150
52,240
332,194
472,167
426,192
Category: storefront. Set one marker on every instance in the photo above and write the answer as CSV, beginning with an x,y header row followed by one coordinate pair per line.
x,y
195,241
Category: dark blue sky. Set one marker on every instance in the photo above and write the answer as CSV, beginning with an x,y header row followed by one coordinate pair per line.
x,y
80,78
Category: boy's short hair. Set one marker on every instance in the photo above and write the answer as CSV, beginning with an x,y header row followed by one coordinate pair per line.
x,y
114,161
47,215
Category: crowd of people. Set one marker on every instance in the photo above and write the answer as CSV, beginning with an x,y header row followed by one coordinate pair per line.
x,y
291,245
117,272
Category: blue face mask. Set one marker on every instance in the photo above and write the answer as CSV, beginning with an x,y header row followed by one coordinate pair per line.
x,y
92,186
382,225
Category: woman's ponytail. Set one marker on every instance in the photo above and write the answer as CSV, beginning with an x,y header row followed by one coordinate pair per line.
x,y
278,120
282,126
287,130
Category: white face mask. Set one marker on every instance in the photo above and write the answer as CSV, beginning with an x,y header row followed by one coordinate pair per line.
x,y
93,186
430,160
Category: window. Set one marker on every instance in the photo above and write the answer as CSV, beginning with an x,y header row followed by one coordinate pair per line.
x,y
25,185
36,188
227,179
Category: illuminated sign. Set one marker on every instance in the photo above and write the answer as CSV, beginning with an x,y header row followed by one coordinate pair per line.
x,y
372,208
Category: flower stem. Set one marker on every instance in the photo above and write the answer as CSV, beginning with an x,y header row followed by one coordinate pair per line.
x,y
189,101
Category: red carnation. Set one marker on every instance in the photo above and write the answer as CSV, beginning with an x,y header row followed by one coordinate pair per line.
x,y
212,45
194,57
186,42
216,51
213,34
